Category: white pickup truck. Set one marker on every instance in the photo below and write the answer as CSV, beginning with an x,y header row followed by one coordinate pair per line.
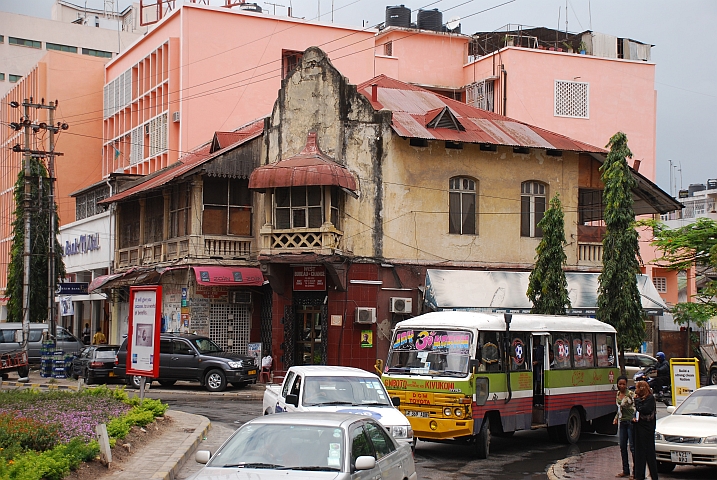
x,y
319,388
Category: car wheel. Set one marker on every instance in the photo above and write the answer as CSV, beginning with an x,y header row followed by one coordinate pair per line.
x,y
215,381
665,467
167,383
134,381
713,376
482,440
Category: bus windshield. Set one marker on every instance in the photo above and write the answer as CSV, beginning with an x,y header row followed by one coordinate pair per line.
x,y
417,352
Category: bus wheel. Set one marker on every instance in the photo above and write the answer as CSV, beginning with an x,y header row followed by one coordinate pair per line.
x,y
570,432
482,440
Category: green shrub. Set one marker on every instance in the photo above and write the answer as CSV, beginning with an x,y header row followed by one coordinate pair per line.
x,y
118,427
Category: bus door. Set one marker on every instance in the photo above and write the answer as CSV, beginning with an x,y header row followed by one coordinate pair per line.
x,y
540,346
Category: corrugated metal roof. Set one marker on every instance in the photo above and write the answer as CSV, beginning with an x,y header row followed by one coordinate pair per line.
x,y
413,107
188,162
309,167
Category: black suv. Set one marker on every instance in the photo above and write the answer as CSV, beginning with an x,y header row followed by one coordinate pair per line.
x,y
193,358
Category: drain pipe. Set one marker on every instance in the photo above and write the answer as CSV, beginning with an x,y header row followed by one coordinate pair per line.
x,y
506,346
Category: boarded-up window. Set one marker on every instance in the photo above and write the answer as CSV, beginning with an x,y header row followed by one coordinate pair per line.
x,y
129,224
227,207
179,211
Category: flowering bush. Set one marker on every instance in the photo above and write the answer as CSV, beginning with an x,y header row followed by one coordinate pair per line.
x,y
45,435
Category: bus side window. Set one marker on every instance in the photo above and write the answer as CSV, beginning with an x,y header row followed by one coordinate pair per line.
x,y
561,351
605,350
491,354
588,350
520,353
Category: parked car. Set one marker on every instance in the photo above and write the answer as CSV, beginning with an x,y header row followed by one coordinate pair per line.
x,y
193,358
11,340
689,435
635,362
311,445
95,363
322,388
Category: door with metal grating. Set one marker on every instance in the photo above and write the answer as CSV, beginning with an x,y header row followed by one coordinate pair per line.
x,y
229,326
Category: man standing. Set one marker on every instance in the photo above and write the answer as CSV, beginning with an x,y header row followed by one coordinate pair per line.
x,y
99,337
86,334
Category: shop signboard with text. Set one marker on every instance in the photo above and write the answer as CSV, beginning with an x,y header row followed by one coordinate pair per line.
x,y
309,278
144,329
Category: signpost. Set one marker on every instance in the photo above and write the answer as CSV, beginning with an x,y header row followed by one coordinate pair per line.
x,y
143,334
685,377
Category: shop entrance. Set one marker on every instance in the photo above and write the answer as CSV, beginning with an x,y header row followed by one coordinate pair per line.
x,y
308,335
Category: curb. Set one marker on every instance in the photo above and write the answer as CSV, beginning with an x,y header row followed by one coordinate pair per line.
x,y
556,471
47,386
171,467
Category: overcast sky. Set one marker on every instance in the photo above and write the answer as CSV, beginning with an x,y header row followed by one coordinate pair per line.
x,y
683,33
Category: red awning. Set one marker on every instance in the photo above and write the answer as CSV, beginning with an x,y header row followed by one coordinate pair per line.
x,y
310,167
237,276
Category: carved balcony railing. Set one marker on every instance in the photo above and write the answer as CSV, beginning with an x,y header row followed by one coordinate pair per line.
x,y
326,240
192,246
590,254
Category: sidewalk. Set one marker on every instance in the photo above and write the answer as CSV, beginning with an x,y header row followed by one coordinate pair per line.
x,y
594,465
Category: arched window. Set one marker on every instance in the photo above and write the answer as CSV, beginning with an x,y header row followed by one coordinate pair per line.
x,y
532,208
462,199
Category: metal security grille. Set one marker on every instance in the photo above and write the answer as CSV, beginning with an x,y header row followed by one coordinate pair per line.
x,y
229,326
266,325
480,94
572,99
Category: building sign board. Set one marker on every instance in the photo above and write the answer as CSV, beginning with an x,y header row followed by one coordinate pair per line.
x,y
309,278
685,377
82,244
72,288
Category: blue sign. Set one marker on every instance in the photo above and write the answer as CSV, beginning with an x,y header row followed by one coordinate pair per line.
x,y
73,288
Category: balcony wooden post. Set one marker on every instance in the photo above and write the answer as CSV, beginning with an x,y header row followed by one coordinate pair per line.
x,y
165,223
197,205
327,204
142,240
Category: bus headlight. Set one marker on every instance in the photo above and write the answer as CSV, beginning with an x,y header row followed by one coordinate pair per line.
x,y
458,412
447,411
433,425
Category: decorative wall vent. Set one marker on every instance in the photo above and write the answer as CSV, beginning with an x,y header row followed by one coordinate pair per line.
x,y
572,99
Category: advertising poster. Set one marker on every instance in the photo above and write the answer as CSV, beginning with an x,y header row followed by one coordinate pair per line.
x,y
685,376
366,338
254,350
144,329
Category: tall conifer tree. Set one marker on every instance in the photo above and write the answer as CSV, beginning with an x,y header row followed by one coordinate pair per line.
x,y
547,287
619,302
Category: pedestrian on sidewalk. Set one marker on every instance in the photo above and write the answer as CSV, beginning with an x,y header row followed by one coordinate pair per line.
x,y
99,337
645,419
625,413
86,334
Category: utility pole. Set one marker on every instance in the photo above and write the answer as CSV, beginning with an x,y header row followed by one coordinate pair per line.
x,y
51,276
27,157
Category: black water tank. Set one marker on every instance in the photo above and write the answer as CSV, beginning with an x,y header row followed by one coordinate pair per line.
x,y
251,7
398,16
695,187
712,184
430,20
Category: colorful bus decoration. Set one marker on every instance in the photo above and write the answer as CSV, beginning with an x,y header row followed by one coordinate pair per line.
x,y
466,376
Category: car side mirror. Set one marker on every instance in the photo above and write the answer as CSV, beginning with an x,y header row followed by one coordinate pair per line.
x,y
292,399
671,409
365,462
396,401
202,456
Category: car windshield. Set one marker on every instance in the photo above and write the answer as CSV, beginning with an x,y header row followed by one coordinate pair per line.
x,y
282,446
700,403
430,353
204,345
353,391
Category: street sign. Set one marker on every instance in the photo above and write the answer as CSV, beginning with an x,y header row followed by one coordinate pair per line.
x,y
685,376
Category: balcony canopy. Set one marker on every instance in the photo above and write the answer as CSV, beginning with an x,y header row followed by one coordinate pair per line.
x,y
310,167
501,291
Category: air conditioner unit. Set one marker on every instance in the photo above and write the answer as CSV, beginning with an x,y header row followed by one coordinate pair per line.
x,y
175,116
365,315
400,305
240,296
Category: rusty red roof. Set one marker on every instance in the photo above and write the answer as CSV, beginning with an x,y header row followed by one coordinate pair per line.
x,y
189,162
414,108
309,167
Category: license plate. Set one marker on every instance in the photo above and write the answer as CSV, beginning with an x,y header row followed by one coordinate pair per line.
x,y
252,372
414,413
680,457
112,374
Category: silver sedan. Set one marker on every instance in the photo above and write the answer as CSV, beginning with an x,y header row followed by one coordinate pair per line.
x,y
309,445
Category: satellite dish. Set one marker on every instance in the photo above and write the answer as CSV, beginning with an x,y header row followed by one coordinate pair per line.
x,y
453,23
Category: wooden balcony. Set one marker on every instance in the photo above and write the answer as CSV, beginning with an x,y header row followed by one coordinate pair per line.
x,y
326,240
193,246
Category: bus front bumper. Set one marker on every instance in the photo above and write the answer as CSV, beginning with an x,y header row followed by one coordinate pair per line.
x,y
440,428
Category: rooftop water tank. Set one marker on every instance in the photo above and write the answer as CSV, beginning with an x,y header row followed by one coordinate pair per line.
x,y
695,187
398,16
712,184
430,20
